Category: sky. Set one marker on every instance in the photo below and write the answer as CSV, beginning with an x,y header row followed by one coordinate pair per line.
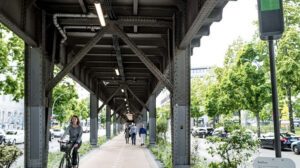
x,y
237,21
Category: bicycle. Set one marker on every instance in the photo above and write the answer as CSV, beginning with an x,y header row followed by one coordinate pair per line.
x,y
66,161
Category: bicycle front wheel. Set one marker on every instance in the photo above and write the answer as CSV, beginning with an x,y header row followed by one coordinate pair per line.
x,y
63,163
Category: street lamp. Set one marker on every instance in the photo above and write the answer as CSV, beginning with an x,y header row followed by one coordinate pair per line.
x,y
53,105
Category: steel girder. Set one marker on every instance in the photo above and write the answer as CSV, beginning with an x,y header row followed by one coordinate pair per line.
x,y
156,72
180,103
108,121
36,112
152,119
114,125
139,100
93,120
76,59
107,100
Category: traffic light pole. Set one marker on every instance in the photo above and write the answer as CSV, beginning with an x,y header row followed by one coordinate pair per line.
x,y
274,99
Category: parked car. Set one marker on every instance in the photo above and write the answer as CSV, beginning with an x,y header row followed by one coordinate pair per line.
x,y
203,131
2,136
85,129
297,123
295,147
14,136
286,139
57,133
220,132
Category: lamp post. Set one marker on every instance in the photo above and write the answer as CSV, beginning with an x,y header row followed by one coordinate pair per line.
x,y
53,105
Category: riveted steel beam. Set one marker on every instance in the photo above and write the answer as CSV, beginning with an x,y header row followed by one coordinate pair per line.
x,y
141,55
77,58
36,111
118,109
82,5
108,100
152,119
16,29
205,11
108,121
180,103
138,99
93,120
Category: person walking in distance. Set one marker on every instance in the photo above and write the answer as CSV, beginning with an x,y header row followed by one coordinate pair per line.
x,y
126,132
133,131
143,133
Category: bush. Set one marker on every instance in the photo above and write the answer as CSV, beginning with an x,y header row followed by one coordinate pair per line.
x,y
163,152
196,160
235,150
8,154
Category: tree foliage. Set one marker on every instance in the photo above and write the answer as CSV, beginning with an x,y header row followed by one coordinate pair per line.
x,y
11,64
163,114
198,91
66,103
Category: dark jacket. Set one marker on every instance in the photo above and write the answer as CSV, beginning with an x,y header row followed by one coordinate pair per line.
x,y
143,131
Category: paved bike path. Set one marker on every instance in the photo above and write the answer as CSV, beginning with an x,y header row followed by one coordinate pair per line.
x,y
117,154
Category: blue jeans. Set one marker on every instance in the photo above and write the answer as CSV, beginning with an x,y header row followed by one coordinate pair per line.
x,y
133,138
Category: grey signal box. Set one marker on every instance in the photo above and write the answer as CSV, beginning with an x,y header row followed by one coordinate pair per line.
x,y
271,24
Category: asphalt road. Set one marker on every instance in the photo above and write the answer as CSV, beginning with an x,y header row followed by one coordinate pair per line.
x,y
202,145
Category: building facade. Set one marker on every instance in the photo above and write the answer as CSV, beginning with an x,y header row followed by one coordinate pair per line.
x,y
11,113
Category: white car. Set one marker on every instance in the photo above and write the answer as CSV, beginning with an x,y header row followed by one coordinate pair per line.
x,y
57,133
14,136
2,136
85,129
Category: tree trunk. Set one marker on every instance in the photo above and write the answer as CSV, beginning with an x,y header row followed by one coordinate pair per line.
x,y
291,118
240,117
214,122
258,124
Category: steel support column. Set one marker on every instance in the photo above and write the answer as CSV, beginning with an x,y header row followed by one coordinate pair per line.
x,y
144,120
114,125
35,108
93,120
181,109
152,119
108,113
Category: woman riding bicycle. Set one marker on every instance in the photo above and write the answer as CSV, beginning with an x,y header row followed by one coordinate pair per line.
x,y
74,131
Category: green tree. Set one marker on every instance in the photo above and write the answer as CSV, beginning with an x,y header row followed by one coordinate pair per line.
x,y
254,87
291,10
198,89
64,101
288,67
11,64
163,114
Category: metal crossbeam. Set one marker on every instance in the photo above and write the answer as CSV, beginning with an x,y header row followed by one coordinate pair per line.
x,y
16,29
205,11
139,100
118,109
141,55
82,5
77,58
107,101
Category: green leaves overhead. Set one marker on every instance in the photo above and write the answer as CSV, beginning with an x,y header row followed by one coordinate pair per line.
x,y
11,64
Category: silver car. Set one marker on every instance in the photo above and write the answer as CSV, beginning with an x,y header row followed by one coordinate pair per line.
x,y
295,146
